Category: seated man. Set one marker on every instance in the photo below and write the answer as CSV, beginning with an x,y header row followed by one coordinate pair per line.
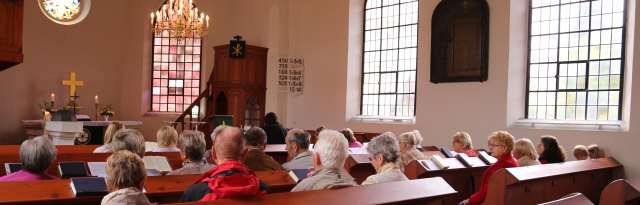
x,y
298,149
36,155
256,159
231,178
330,152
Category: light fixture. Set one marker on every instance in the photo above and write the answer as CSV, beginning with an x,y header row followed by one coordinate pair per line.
x,y
180,19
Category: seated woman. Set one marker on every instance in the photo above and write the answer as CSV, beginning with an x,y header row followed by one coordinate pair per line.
x,y
525,152
108,136
125,179
167,138
500,145
462,144
595,152
348,134
273,128
36,155
384,153
550,151
409,143
192,148
580,152
129,139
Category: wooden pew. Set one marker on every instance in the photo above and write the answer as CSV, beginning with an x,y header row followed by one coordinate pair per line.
x,y
164,189
572,199
428,191
278,152
174,159
359,167
551,181
621,191
462,179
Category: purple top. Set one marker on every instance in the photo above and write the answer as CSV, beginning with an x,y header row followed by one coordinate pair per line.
x,y
355,144
24,175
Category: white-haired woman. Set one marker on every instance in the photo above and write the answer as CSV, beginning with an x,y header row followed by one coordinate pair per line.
x,y
192,148
525,152
36,155
129,139
384,153
462,144
409,142
331,151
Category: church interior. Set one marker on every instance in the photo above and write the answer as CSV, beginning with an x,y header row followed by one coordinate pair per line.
x,y
516,78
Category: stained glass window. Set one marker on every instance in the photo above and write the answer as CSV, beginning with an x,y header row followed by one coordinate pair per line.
x,y
65,11
389,67
176,73
576,60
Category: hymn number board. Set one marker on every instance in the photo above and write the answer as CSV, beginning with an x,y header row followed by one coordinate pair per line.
x,y
291,75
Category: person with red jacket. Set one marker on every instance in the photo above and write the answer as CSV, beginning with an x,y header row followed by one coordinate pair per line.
x,y
231,178
500,145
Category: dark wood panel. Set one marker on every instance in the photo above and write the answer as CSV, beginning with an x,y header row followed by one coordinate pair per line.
x,y
11,17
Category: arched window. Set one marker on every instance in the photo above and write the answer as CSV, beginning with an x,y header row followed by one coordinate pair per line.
x,y
176,71
576,60
389,64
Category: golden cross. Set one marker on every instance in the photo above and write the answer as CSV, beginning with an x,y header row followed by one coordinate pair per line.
x,y
73,84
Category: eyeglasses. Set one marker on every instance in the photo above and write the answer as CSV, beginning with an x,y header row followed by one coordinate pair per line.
x,y
491,145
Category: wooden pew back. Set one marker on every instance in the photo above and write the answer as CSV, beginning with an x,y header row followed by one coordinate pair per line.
x,y
572,199
428,191
621,191
551,181
163,189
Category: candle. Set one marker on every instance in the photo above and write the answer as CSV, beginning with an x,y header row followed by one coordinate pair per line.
x,y
53,97
152,18
207,21
96,100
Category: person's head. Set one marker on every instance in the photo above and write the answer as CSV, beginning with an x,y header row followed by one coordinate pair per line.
x,y
124,170
256,137
192,145
550,150
112,128
461,142
319,129
167,136
297,142
595,151
228,145
331,150
271,119
383,149
128,139
525,148
348,134
37,154
215,132
580,152
409,140
500,142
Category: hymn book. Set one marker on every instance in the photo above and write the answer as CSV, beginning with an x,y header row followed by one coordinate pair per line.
x,y
156,164
12,167
298,174
89,186
447,153
469,161
97,169
73,169
487,158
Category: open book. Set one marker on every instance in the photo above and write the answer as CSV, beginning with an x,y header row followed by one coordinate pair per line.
x,y
487,158
435,163
97,169
156,164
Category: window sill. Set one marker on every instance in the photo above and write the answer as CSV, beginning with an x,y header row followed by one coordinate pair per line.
x,y
383,120
609,126
161,114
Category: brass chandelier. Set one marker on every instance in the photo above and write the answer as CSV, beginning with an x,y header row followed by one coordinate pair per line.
x,y
181,19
